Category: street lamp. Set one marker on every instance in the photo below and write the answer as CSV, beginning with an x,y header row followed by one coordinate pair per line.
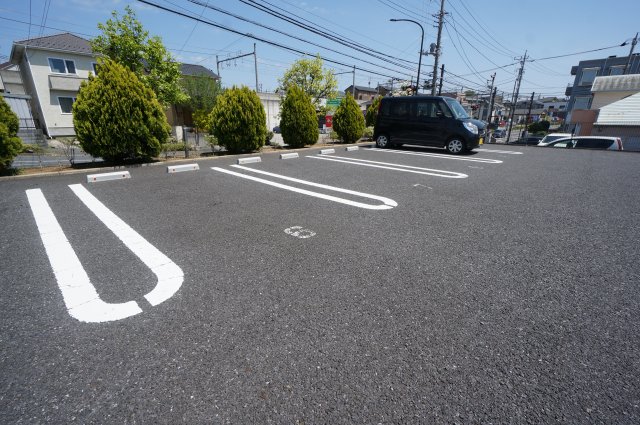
x,y
421,44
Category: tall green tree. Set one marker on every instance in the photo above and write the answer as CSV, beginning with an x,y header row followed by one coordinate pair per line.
x,y
348,120
298,121
10,144
124,40
238,120
309,75
203,90
372,112
118,117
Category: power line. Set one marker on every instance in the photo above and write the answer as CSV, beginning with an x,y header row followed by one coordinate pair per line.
x,y
263,40
299,38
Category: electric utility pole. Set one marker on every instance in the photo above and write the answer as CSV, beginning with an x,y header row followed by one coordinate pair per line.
x,y
437,52
493,79
516,93
633,45
441,80
255,58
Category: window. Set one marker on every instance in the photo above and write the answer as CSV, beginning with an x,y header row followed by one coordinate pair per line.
x,y
426,109
582,102
616,70
593,144
62,66
588,75
66,104
400,109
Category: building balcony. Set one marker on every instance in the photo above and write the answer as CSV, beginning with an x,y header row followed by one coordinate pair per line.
x,y
568,90
65,83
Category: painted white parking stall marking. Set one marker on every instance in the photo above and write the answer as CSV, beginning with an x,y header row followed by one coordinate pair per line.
x,y
438,155
395,167
497,151
386,202
299,232
80,296
169,275
118,175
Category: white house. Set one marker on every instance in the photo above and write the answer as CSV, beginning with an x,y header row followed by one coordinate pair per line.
x,y
52,69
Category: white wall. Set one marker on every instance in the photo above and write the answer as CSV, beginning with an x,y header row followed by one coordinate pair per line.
x,y
271,104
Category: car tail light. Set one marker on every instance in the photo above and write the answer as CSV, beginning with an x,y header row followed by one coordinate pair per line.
x,y
619,142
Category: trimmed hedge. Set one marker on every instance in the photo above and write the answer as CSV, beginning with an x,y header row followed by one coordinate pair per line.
x,y
348,120
117,117
10,144
298,120
238,120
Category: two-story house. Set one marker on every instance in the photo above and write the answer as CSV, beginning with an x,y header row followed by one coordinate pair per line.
x,y
585,74
53,67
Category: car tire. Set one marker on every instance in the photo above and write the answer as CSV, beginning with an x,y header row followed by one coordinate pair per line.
x,y
455,146
383,141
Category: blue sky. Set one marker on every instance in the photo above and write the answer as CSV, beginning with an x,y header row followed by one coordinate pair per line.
x,y
479,37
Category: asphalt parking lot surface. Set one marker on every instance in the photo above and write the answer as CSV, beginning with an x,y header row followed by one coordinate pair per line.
x,y
368,286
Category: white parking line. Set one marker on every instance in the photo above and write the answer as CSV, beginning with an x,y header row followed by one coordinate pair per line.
x,y
438,155
386,202
79,294
391,166
169,275
497,151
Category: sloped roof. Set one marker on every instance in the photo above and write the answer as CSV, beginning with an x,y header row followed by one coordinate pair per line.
x,y
628,82
362,88
623,112
65,42
197,70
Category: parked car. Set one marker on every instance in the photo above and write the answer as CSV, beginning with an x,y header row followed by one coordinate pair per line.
x,y
529,141
553,136
276,129
588,142
427,120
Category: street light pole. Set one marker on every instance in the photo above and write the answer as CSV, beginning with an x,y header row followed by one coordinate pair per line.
x,y
421,45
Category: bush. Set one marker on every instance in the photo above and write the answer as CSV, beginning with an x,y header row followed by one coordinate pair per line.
x,y
238,120
10,144
269,137
117,117
298,120
538,127
372,112
173,147
368,133
348,121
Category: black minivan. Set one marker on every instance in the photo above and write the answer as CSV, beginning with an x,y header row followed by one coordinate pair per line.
x,y
427,120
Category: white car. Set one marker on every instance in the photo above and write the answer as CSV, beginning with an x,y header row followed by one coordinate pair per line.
x,y
588,142
551,137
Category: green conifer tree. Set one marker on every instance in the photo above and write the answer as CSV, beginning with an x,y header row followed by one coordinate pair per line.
x,y
348,120
238,120
10,144
117,117
372,112
298,120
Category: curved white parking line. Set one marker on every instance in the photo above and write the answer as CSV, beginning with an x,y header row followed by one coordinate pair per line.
x,y
79,294
386,202
438,155
169,275
391,166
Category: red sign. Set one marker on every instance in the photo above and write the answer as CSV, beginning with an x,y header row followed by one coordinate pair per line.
x,y
328,121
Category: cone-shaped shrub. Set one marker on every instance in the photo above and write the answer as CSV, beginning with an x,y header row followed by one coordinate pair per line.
x,y
298,120
372,112
117,117
348,120
238,120
10,144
